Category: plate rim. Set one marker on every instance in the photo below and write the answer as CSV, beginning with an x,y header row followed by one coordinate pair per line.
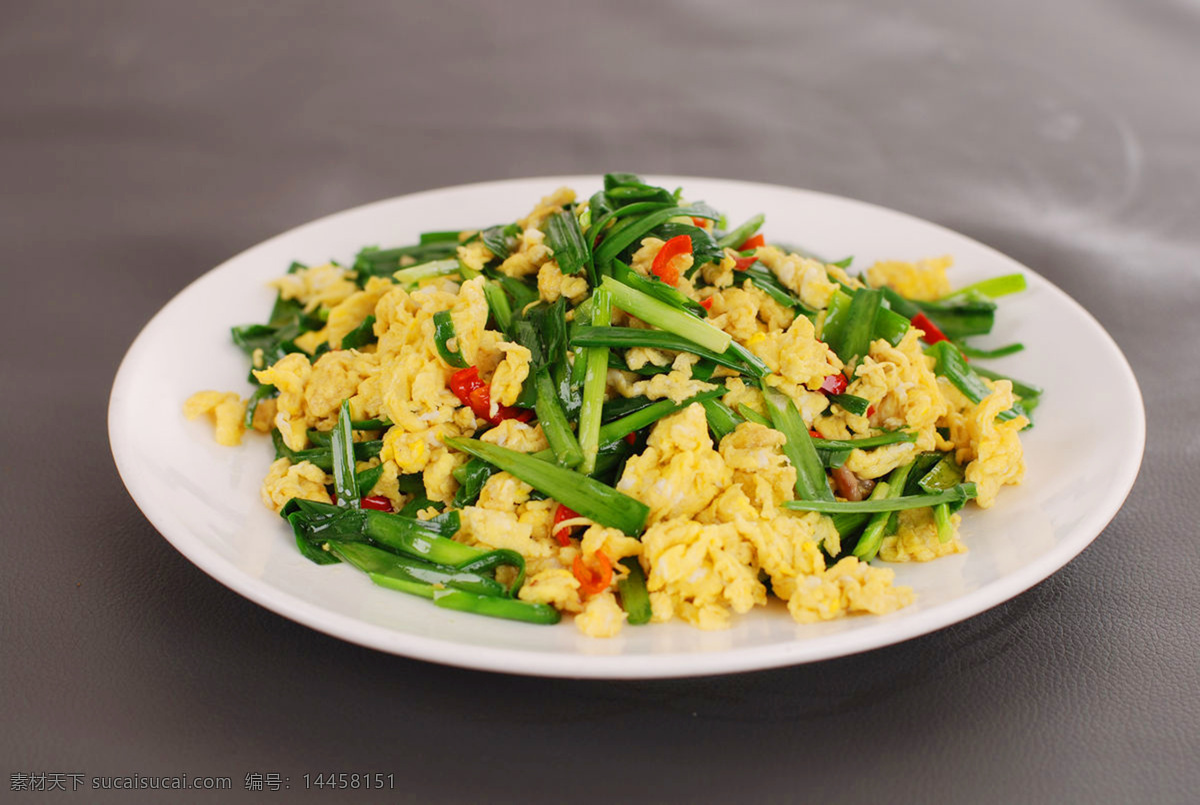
x,y
884,631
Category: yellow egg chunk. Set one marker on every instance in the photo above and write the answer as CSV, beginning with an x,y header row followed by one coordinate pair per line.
x,y
916,539
992,453
320,285
924,280
228,412
807,277
848,588
679,473
602,616
286,480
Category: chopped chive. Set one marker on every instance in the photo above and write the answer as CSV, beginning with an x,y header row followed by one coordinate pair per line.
x,y
471,477
595,360
663,316
370,559
494,559
851,403
811,481
990,354
754,416
634,229
993,287
853,335
342,445
953,366
656,288
943,475
736,237
1025,391
627,337
620,428
497,302
439,237
367,479
409,537
361,335
953,495
635,599
885,438
890,325
424,271
565,239
721,419
868,544
443,332
765,280
497,238
589,497
553,420
945,526
494,607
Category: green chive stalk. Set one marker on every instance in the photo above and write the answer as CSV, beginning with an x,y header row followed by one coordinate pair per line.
x,y
595,377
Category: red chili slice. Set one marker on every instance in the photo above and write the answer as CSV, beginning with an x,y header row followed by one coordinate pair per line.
x,y
377,502
742,263
563,535
753,243
834,384
593,580
473,391
707,303
663,266
932,333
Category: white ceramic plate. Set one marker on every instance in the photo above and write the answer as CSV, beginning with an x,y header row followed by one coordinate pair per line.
x,y
1082,456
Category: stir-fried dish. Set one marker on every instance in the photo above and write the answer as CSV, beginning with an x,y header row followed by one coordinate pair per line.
x,y
627,410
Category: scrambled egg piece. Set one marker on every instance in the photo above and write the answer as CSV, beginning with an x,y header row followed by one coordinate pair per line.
x,y
602,616
916,539
228,411
531,254
509,376
720,275
991,446
290,376
310,395
320,285
475,255
700,572
879,461
800,362
809,278
679,473
552,284
849,587
555,586
901,386
549,205
747,312
517,435
676,385
926,280
755,455
286,480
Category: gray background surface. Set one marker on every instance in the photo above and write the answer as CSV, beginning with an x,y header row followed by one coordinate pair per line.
x,y
143,143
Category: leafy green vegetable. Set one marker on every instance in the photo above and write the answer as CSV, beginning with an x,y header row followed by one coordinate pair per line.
x,y
589,497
